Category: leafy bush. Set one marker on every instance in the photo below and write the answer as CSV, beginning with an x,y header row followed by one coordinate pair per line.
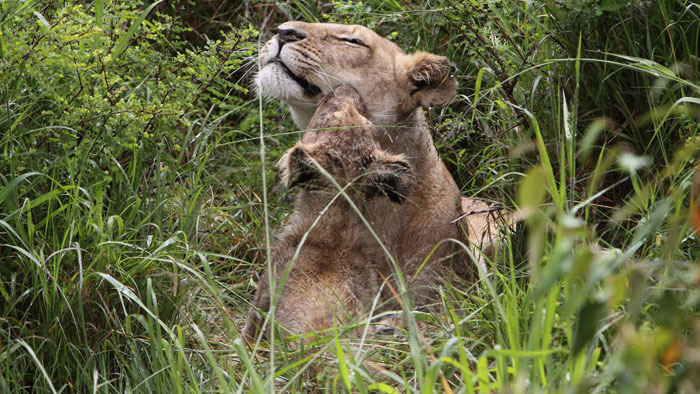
x,y
108,94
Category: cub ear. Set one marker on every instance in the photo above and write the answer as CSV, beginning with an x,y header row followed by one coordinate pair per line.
x,y
433,79
391,176
295,168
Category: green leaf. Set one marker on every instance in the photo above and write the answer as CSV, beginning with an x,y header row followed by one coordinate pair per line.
x,y
647,64
342,365
5,191
477,90
587,325
383,387
41,18
99,11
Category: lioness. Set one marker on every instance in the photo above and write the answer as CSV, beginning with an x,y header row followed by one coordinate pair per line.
x,y
304,61
334,275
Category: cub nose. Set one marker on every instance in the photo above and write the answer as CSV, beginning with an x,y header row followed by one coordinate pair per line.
x,y
286,35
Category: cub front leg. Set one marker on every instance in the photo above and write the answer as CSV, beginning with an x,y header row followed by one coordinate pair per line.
x,y
261,302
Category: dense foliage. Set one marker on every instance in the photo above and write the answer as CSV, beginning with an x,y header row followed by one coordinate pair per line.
x,y
137,195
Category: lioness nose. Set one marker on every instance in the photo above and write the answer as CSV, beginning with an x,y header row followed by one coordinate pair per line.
x,y
289,35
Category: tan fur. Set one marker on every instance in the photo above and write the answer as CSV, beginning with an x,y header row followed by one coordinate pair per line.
x,y
392,83
395,87
334,277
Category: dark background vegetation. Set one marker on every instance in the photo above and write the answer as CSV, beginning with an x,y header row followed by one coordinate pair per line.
x,y
132,211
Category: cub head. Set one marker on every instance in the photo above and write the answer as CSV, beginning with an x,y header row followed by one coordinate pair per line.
x,y
304,61
341,144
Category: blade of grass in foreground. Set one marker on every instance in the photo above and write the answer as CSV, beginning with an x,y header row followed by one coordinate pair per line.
x,y
250,368
38,364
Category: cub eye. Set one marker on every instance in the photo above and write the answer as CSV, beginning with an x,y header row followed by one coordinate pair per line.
x,y
353,41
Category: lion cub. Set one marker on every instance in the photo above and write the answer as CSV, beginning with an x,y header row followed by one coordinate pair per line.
x,y
333,276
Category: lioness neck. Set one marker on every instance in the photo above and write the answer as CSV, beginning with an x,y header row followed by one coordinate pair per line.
x,y
411,137
301,114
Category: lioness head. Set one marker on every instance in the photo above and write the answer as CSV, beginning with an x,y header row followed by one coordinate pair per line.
x,y
304,61
342,143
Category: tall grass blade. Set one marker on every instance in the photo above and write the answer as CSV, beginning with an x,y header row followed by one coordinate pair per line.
x,y
123,41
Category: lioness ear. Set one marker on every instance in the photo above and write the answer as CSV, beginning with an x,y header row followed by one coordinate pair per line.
x,y
295,168
433,79
391,176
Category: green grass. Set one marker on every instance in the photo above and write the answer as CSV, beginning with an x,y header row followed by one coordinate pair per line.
x,y
138,192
